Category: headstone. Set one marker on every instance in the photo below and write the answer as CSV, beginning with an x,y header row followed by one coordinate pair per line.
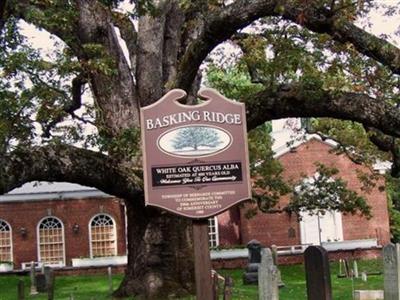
x,y
318,275
364,276
391,271
228,288
49,282
110,283
21,290
267,277
274,250
346,267
251,274
355,269
368,295
33,279
41,283
254,247
47,275
215,285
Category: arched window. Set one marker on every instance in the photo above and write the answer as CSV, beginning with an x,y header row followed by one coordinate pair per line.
x,y
5,242
103,238
51,241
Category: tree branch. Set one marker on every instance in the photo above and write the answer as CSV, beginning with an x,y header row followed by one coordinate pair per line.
x,y
70,107
348,150
67,163
225,22
129,34
296,101
388,144
149,73
219,26
321,20
90,26
172,42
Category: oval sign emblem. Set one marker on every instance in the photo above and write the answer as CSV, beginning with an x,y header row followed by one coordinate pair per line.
x,y
194,140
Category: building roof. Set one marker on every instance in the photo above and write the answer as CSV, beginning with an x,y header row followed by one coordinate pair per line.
x,y
40,190
288,137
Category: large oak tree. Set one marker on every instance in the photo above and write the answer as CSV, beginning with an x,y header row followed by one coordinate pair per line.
x,y
303,58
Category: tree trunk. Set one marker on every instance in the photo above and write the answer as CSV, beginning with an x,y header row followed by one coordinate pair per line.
x,y
160,255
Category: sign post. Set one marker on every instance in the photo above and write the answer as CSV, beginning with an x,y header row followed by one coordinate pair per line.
x,y
202,261
195,162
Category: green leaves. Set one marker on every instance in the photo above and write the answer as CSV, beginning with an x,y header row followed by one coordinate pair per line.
x,y
266,172
325,191
233,82
352,138
35,90
393,192
98,60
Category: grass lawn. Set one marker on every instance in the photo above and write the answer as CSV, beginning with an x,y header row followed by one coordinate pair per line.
x,y
96,287
295,283
81,287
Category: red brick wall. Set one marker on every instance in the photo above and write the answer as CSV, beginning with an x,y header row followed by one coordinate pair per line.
x,y
269,229
273,228
229,227
27,214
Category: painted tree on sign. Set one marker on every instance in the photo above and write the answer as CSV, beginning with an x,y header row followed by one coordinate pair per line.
x,y
195,137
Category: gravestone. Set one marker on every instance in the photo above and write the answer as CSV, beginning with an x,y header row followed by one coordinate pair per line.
x,y
110,282
267,277
391,266
21,290
228,288
251,274
364,276
33,279
355,269
41,283
318,275
368,295
274,250
49,274
44,280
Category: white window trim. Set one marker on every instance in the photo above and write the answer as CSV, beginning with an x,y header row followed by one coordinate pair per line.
x,y
216,231
61,264
11,240
115,233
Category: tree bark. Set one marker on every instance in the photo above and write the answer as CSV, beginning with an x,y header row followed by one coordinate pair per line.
x,y
160,259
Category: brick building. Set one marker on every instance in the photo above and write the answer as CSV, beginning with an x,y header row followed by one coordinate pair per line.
x,y
61,224
333,228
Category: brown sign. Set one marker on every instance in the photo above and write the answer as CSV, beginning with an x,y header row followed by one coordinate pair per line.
x,y
195,156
